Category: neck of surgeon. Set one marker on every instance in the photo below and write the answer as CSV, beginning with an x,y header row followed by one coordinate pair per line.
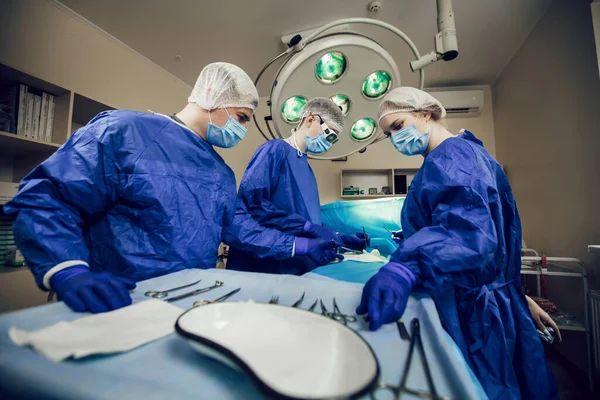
x,y
298,139
195,118
437,134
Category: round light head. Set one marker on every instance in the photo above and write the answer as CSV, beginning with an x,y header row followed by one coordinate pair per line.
x,y
363,129
343,102
358,57
292,108
376,84
330,67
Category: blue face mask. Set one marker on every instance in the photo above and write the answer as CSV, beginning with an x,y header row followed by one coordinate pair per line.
x,y
409,141
317,145
226,136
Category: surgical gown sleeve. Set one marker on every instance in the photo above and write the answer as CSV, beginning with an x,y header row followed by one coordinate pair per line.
x,y
260,227
451,201
55,201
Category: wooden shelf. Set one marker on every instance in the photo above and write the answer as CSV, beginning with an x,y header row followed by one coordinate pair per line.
x,y
14,145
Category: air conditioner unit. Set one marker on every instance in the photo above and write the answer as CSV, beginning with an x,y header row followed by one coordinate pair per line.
x,y
460,103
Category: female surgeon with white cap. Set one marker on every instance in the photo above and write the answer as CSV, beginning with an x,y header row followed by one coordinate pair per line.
x,y
462,245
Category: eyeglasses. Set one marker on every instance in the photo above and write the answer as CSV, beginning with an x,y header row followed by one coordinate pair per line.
x,y
330,135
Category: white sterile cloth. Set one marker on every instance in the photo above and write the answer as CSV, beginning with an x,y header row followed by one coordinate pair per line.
x,y
365,257
111,332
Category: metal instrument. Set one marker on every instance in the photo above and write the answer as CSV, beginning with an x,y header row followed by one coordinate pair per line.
x,y
203,302
299,301
274,299
312,308
195,292
415,340
342,250
337,314
159,294
366,236
402,330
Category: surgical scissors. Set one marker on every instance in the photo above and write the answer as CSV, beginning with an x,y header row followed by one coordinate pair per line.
x,y
195,292
299,301
159,294
337,314
204,302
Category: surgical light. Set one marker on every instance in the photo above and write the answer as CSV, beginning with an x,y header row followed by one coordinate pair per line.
x,y
363,129
292,108
376,84
343,102
350,68
330,67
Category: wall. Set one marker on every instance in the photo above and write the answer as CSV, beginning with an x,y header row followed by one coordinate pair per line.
x,y
547,114
43,39
46,40
596,18
380,155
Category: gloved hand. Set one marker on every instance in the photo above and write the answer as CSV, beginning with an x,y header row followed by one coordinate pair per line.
x,y
319,231
355,242
97,292
385,295
321,251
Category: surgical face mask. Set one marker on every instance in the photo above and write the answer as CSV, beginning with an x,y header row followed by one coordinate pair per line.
x,y
227,135
317,145
409,141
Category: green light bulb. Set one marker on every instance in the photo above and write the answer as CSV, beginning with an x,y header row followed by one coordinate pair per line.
x,y
292,108
331,67
376,84
363,129
343,102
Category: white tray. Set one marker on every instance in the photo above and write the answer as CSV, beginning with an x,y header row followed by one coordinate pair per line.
x,y
289,352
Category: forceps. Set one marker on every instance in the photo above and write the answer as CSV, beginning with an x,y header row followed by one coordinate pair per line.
x,y
159,294
204,302
337,314
195,292
342,250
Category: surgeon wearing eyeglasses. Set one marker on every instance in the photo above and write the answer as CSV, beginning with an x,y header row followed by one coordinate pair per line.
x,y
277,223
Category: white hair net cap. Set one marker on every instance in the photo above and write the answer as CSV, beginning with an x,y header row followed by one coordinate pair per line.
x,y
222,85
409,99
329,112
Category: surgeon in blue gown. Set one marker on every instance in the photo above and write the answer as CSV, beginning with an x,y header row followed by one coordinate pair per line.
x,y
131,196
462,245
277,224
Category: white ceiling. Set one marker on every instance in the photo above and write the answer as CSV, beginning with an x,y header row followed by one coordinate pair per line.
x,y
247,32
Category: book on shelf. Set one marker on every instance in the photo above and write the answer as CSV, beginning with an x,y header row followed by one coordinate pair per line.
x,y
22,111
50,119
43,116
9,103
29,115
27,112
37,108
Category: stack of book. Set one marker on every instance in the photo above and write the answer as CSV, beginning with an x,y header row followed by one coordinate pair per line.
x,y
7,240
27,112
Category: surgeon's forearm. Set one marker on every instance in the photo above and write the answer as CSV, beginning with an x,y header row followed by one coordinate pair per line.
x,y
45,253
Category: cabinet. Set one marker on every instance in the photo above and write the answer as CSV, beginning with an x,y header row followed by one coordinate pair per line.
x,y
18,156
370,183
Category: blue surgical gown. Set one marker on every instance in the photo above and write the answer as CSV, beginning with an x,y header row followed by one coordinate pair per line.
x,y
276,197
131,193
463,244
